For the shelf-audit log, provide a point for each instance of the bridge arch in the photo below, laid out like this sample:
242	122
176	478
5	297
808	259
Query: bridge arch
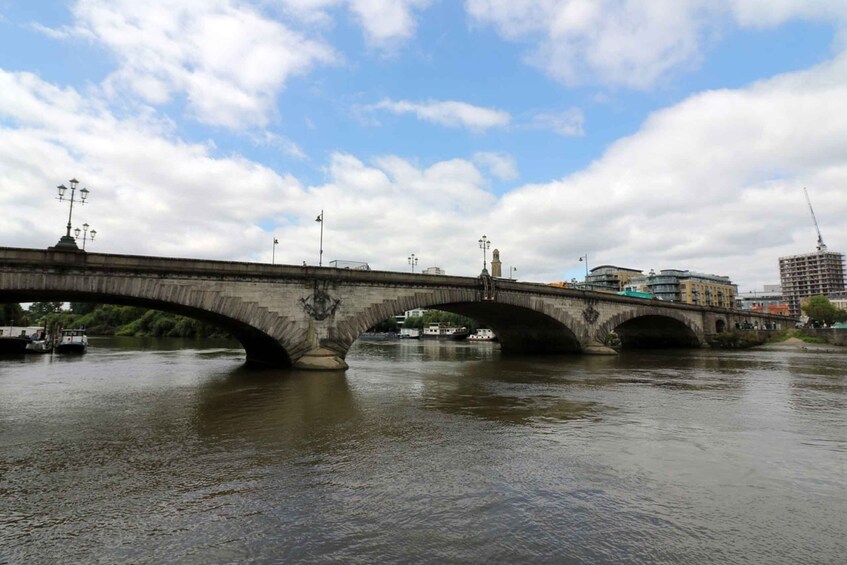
645	328
523	324
249	325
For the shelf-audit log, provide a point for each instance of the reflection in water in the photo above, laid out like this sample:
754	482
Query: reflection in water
426	452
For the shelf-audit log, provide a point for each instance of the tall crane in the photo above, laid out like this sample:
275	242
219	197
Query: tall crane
821	244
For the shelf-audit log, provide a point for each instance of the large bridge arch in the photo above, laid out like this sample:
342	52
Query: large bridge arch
647	327
524	324
252	326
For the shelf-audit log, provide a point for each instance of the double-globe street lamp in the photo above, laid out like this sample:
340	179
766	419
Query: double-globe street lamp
413	261
484	244
67	242
86	235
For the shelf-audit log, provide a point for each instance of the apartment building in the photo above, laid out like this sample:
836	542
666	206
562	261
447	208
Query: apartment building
611	278
687	286
810	274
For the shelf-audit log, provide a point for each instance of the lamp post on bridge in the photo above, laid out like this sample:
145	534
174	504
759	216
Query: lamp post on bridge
320	219
512	271
581	259
413	261
67	242
85	234
484	244
273	252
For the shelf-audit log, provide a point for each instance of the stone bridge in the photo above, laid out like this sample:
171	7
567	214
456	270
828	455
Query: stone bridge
308	317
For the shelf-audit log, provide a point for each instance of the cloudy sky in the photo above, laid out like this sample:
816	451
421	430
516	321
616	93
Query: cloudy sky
648	134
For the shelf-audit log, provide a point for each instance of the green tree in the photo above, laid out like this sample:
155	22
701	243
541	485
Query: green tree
388	325
12	313
83	307
41	309
820	309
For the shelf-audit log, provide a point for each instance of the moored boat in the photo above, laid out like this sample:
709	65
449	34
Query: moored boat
10	345
459	334
410	333
72	341
39	342
443	331
482	334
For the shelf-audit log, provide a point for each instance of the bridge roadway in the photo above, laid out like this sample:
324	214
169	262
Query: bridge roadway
308	317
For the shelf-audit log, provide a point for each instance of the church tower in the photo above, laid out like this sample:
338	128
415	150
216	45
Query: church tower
496	265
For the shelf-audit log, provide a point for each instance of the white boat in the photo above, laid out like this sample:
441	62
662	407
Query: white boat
410	333
39	342
72	341
443	331
482	334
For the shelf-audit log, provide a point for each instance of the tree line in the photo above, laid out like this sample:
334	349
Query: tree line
107	319
428	317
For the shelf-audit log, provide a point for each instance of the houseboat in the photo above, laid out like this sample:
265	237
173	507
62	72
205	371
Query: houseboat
72	341
15	339
443	331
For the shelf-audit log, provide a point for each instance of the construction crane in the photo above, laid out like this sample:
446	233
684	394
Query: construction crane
821	244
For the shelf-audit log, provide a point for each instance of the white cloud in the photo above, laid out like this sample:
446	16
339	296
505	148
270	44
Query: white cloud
713	183
155	194
149	193
569	123
227	59
448	113
387	21
632	43
499	165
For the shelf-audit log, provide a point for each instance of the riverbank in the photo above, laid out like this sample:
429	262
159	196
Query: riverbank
797	344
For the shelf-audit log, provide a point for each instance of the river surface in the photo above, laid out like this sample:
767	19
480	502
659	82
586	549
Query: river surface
147	451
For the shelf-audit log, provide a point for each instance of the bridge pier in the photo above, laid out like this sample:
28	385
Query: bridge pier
596	347
321	359
318	357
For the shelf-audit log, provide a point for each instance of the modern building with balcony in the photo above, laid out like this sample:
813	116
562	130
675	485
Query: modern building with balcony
689	287
611	278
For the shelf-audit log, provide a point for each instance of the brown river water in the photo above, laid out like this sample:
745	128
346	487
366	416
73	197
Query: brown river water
145	451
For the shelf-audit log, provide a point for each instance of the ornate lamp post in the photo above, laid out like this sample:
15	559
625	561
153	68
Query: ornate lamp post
413	261
67	242
484	244
85	234
320	219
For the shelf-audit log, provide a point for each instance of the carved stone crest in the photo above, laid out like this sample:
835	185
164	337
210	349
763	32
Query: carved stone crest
319	305
590	314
